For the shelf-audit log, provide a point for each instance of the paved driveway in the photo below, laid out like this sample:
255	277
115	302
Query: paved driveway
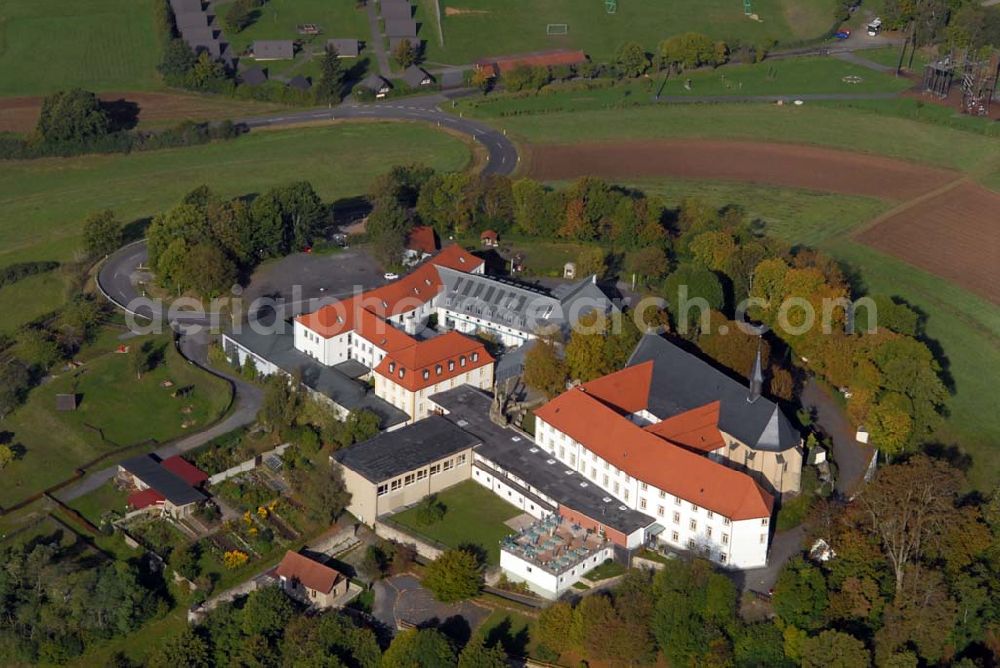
403	599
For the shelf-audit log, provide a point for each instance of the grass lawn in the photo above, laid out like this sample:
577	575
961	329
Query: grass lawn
96	503
56	443
473	514
510	629
278	19
30	298
45	201
849	129
608	569
889	55
99	45
477	28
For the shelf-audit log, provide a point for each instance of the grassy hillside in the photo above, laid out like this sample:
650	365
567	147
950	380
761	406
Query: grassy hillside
97	44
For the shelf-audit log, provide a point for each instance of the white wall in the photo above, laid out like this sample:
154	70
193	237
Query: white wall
544	583
687	526
498	486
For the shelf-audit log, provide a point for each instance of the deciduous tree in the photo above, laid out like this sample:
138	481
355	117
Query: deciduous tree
419	648
454	576
102	233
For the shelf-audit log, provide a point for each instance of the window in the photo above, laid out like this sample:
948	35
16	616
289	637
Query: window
677	518
722	557
725	539
448	464
694	508
710	514
708	532
725	521
435	469
763	522
642	504
461	361
660	511
605	480
677	500
396	484
763	538
693	525
408	480
451	365
625	495
690	543
421	474
427	374
382	489
392	367
643	486
663	494
475	357
438	369
461	459
674	536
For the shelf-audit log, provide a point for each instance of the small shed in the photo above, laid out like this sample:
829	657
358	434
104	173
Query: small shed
489	239
396	9
400	28
862	435
273	49
345	47
416	77
185	6
300	83
254	76
376	84
569	270
66	402
187	20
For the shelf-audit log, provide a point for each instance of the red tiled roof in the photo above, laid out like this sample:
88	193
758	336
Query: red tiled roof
440	357
696	429
488	234
145	498
422	239
188	472
626	390
653	460
310	574
402	296
538	58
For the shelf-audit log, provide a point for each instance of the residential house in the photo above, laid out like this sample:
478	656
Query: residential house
377	85
489	239
273	49
345	47
416	77
311	582
173	484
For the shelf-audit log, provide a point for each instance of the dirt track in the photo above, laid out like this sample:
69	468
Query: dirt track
787	165
19	114
954	233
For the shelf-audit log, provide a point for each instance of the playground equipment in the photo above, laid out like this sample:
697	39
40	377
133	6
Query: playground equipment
556	28
611	6
747	7
978	81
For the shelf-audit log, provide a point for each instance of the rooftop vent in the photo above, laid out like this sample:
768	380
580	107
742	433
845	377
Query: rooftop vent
463	423
583	484
550	461
606	499
622	508
533	450
568	471
515	438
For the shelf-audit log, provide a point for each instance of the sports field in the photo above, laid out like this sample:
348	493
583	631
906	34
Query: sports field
517	26
50	45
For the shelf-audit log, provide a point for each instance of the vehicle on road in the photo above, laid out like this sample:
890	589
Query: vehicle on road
842	34
875	27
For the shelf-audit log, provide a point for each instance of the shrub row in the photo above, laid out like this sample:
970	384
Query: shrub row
15	272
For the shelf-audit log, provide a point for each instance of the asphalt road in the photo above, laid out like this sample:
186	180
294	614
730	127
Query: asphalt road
501	153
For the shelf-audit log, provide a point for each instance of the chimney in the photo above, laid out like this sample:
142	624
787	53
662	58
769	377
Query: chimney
756	377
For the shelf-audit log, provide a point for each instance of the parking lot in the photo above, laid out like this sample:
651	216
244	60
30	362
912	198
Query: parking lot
302	280
402	600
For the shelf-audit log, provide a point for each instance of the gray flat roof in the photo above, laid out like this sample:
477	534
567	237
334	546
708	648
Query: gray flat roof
174	489
415	76
400	28
275	49
279	349
185	6
393	453
346	47
469	408
396	9
197	19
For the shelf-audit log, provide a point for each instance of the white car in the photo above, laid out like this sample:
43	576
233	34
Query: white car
390	276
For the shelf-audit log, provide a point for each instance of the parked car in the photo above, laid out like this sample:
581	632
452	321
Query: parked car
390	276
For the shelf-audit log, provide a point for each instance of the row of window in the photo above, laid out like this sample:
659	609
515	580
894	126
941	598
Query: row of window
421	474
438	369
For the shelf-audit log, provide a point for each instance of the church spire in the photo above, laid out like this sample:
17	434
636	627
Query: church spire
756	377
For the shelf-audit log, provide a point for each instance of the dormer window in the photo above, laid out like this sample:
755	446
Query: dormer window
427	374
437	369
462	260
427	281
385	304
451	365
475	357
392	367
402	372
461	360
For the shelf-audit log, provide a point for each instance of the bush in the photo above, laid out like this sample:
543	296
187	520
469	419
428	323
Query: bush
13	273
430	511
